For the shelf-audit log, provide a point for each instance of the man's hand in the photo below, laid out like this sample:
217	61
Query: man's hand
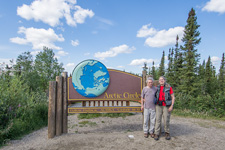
142	108
170	108
143	100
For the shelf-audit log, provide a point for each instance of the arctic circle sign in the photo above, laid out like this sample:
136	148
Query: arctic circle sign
90	78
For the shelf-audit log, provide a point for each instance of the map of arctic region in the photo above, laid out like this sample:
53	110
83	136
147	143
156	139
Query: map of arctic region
90	78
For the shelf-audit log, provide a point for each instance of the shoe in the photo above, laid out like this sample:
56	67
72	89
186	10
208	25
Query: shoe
156	137
167	136
146	135
152	135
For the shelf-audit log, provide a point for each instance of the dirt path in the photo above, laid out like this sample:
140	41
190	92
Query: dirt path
113	134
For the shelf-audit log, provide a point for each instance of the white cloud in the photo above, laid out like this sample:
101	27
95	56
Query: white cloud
160	38
112	52
145	31
4	61
106	21
81	14
38	38
34	53
166	57
75	43
215	60
138	62
51	11
120	67
70	65
62	53
215	6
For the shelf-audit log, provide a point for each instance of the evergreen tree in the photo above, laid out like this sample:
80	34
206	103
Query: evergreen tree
153	72
161	66
222	74
191	57
170	69
209	76
201	78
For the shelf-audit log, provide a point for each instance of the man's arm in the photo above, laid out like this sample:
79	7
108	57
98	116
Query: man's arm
142	103
173	100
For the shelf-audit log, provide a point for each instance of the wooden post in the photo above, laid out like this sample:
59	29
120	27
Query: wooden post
59	106
65	104
52	109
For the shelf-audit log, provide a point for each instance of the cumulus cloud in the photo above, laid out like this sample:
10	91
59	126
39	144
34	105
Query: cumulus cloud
51	11
75	43
112	52
160	38
215	6
146	31
70	65
138	62
38	38
62	53
215	60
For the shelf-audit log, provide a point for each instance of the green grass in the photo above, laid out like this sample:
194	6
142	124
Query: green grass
194	114
85	123
112	115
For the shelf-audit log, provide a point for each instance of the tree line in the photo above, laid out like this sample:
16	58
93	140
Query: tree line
23	93
196	85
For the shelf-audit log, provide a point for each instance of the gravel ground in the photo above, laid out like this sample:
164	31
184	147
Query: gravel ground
126	133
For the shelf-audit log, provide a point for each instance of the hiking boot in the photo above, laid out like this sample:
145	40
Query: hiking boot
146	135
156	137
167	136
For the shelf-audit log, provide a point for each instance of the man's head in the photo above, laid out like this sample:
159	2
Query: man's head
150	81
162	80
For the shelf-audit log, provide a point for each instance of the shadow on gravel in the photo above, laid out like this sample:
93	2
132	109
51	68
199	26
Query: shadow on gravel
181	129
116	128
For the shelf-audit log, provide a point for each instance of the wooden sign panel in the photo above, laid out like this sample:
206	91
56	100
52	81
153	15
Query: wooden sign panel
122	86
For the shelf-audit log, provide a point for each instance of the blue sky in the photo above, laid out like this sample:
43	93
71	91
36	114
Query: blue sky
122	34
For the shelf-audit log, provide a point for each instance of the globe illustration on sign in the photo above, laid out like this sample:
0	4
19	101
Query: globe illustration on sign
90	78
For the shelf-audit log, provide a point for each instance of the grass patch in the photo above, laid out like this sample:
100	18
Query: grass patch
194	114
85	123
112	115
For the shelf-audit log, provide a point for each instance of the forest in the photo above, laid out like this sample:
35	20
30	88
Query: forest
24	85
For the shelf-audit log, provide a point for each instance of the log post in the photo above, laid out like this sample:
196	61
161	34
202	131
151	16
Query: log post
65	103
52	109
59	106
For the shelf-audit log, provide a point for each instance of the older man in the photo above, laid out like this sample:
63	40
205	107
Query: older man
164	105
147	103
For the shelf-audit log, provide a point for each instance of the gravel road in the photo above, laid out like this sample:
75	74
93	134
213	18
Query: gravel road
126	134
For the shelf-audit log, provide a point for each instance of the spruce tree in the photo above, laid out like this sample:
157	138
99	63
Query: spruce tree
153	71
201	78
208	76
170	70
222	75
161	66
191	57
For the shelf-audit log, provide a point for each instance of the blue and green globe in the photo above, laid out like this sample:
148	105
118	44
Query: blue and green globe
90	78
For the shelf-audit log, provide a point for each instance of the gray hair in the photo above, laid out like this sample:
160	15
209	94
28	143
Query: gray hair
149	78
162	77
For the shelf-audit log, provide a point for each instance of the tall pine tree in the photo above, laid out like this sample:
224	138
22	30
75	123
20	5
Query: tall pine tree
161	66
191	57
153	72
222	74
